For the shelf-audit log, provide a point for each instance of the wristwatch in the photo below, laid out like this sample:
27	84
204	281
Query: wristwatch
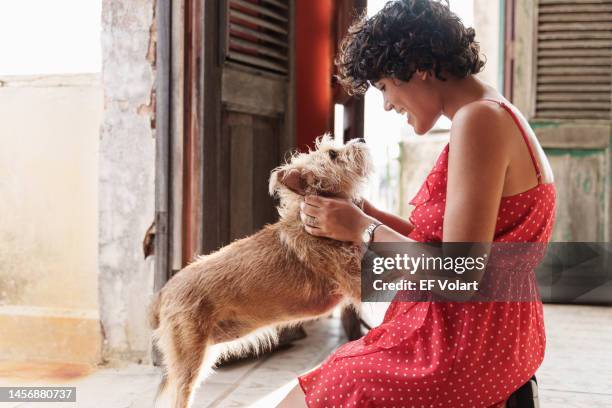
368	233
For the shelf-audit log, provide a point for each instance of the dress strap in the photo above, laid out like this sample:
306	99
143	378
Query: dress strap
523	133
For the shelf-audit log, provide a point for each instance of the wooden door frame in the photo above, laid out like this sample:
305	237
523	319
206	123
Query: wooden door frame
178	121
214	182
163	12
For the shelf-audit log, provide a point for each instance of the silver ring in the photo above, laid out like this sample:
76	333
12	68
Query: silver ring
311	221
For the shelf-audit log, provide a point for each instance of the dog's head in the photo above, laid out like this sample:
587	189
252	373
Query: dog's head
329	170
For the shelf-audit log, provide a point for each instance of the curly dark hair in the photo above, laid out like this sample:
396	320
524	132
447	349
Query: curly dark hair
404	36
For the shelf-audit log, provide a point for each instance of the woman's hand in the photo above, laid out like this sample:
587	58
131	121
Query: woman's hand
334	218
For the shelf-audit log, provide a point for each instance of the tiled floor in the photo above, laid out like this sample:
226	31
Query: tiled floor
577	372
577	368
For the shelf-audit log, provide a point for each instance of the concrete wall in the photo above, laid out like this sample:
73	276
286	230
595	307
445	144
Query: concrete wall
77	163
49	128
126	176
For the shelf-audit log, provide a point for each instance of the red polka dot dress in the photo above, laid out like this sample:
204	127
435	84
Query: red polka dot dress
446	354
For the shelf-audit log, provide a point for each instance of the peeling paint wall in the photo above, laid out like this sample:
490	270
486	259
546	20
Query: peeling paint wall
126	182
582	187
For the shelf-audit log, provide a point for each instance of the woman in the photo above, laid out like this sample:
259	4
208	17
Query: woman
491	183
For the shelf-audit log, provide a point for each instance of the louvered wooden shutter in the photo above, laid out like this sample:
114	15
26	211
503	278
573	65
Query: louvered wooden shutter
257	34
574	59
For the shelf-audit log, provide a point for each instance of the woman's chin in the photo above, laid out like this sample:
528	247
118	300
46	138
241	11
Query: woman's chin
418	130
416	127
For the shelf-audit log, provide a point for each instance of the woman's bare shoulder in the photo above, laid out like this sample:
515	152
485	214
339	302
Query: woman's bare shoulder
484	127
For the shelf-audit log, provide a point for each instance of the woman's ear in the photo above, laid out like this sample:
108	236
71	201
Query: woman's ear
422	74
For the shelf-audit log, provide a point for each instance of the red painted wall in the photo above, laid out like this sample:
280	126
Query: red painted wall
313	68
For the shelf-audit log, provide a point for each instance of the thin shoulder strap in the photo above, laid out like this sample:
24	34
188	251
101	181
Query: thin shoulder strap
523	133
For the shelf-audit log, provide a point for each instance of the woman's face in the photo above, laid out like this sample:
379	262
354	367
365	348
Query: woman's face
417	99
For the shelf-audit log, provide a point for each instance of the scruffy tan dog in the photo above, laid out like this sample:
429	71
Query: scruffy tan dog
235	299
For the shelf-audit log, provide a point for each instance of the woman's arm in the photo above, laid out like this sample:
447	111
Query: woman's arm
392	221
341	219
477	164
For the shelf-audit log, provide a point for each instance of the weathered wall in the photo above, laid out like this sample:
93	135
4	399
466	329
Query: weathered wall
582	180
487	26
418	156
126	182
48	241
579	150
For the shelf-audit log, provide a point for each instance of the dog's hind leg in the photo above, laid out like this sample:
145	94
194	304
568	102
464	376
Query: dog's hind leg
162	397
184	350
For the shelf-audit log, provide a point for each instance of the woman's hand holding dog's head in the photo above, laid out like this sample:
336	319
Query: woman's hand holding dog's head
335	218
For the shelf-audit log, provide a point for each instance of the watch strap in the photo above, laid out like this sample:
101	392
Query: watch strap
370	230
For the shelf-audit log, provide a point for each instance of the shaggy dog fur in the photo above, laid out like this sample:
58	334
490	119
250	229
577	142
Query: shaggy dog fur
235	299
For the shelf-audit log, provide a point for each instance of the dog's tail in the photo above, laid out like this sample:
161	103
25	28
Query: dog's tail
154	310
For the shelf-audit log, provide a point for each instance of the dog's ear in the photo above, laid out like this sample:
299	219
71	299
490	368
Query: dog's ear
273	185
287	178
293	179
